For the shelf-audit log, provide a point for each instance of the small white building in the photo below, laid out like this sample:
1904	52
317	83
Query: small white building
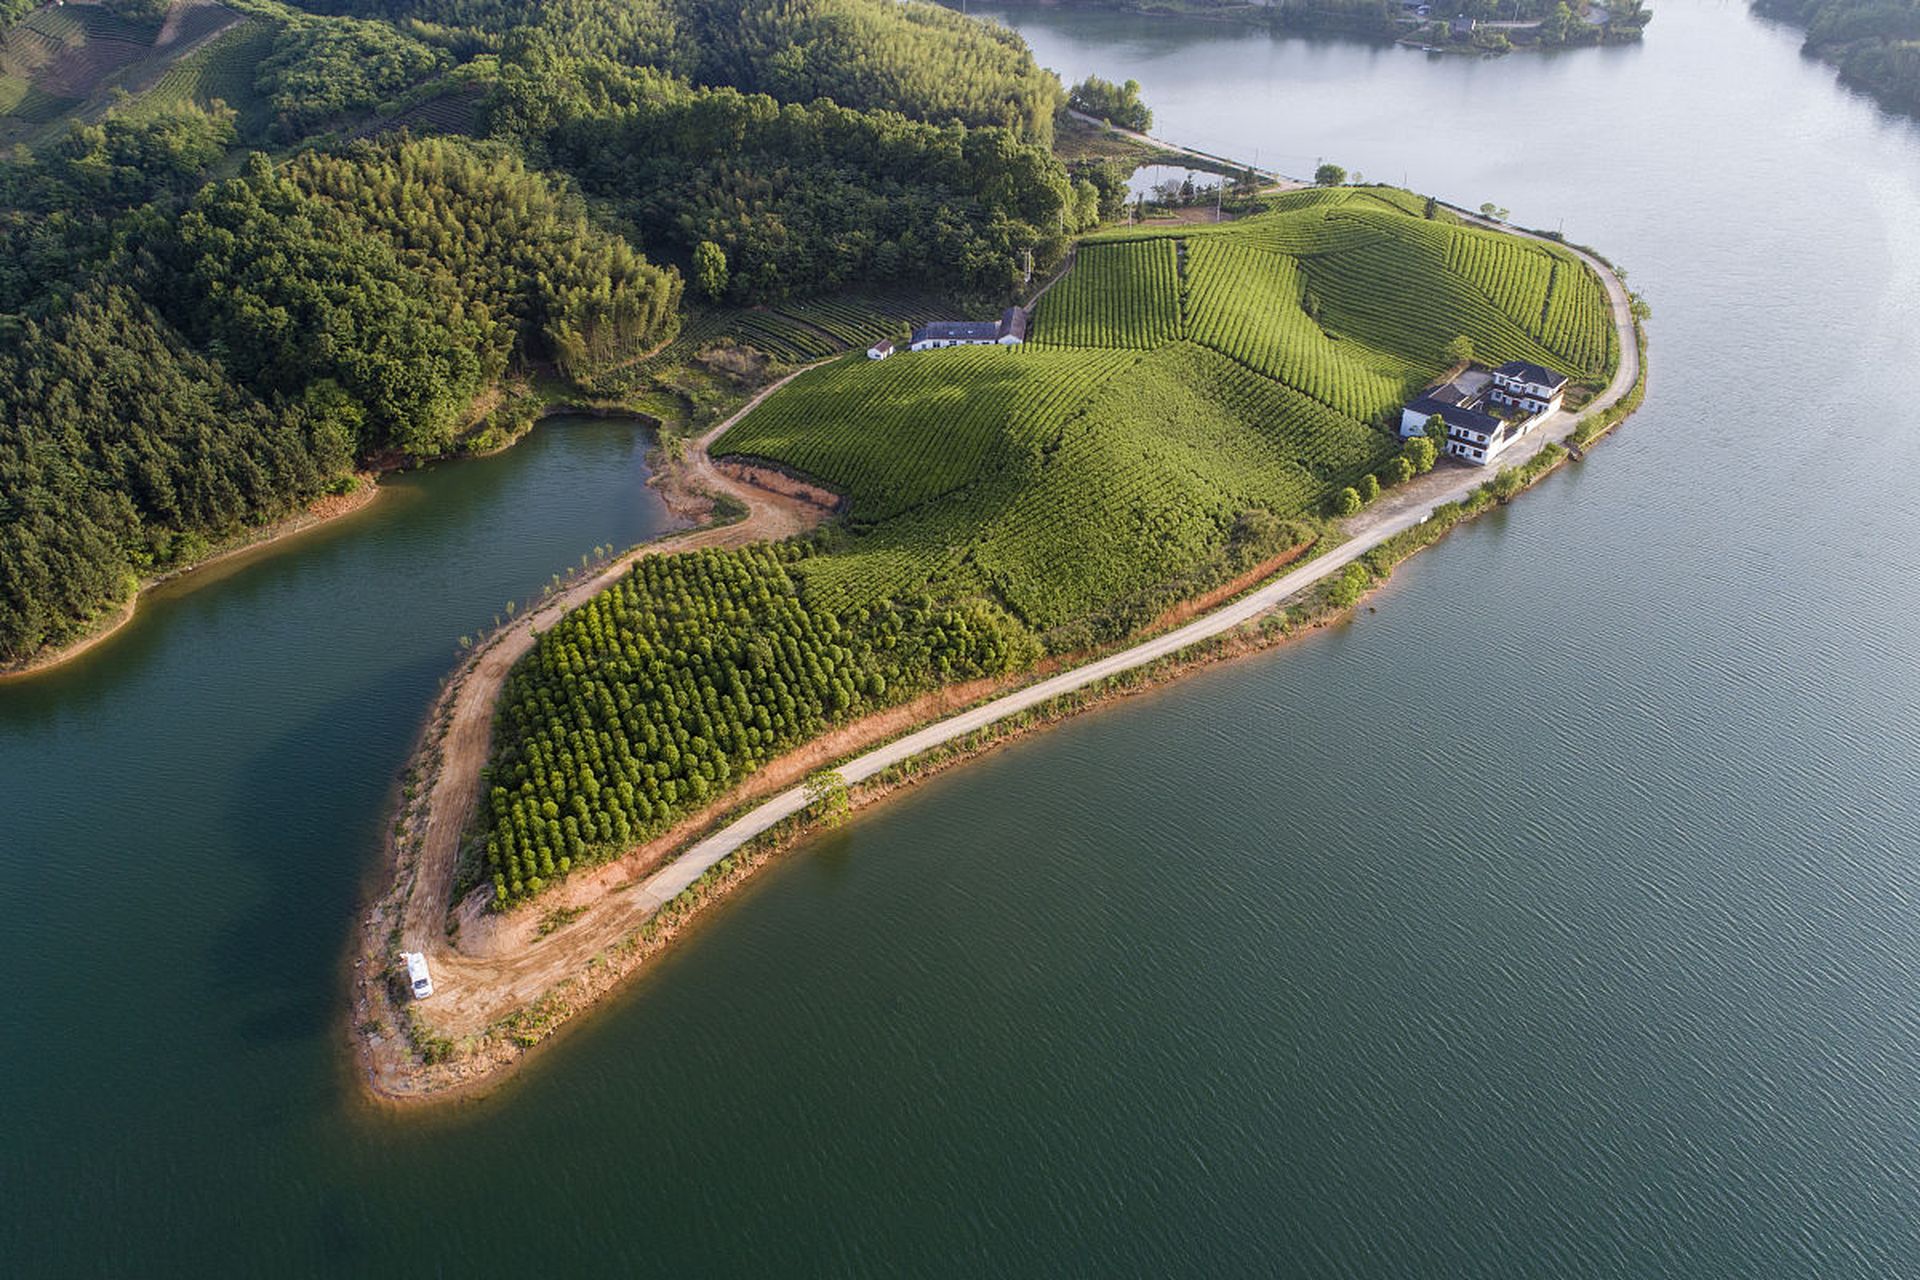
1529	388
1009	331
881	349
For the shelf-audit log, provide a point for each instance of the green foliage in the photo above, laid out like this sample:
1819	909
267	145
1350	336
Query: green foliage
323	70
276	279
896	434
710	269
649	701
1345	590
1063	481
1249	304
1329	175
828	803
221	73
801	199
1421	452
1369	487
526	256
1117	295
119	448
1346	502
1117	104
921	60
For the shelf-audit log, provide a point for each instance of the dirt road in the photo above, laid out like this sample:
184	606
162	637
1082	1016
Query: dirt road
467	738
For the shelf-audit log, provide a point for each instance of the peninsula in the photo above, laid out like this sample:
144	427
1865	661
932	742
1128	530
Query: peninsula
1193	441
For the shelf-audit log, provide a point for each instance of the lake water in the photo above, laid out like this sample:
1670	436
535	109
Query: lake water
1560	918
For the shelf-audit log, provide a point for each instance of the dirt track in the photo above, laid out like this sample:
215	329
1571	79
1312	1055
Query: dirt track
483	988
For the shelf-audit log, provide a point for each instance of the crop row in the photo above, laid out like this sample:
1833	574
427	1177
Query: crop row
1578	320
1511	272
1246	303
655	697
896	433
1116	295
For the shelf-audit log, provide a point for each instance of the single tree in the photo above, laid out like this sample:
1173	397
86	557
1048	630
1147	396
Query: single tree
1347	502
1420	452
1369	488
710	269
828	803
1329	175
1459	351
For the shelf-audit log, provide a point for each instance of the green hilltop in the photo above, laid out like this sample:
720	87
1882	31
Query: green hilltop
1187	404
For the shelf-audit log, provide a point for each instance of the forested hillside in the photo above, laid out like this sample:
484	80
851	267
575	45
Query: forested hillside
1874	43
230	275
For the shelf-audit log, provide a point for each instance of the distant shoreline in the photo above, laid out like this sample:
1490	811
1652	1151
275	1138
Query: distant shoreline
321	511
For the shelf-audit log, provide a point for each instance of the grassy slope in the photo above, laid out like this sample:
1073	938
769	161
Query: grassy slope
1154	404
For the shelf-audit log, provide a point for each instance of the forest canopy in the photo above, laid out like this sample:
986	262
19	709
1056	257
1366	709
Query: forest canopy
202	339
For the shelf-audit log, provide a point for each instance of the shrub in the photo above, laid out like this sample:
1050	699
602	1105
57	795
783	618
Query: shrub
1347	501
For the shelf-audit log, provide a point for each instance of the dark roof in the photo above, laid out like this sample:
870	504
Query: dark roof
885	344
1526	372
1014	321
1462	24
1466	419
958	331
1449	393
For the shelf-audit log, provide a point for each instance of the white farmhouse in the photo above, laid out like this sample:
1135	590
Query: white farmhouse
1009	331
1473	435
881	349
1528	387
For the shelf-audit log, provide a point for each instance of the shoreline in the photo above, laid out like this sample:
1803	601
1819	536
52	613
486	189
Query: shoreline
308	518
512	993
305	520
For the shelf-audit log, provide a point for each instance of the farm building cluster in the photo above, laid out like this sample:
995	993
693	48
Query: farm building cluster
1010	330
1486	411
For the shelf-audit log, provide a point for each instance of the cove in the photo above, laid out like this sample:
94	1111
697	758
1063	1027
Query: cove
1558	918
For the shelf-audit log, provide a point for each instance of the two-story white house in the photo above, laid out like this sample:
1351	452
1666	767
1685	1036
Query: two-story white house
1529	388
1009	331
1473	435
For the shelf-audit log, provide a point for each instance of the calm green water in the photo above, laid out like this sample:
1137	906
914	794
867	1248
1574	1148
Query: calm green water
1557	919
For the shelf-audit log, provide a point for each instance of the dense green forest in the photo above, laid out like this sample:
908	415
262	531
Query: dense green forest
224	294
1874	43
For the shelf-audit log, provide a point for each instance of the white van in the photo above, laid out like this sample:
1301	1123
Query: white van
417	974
